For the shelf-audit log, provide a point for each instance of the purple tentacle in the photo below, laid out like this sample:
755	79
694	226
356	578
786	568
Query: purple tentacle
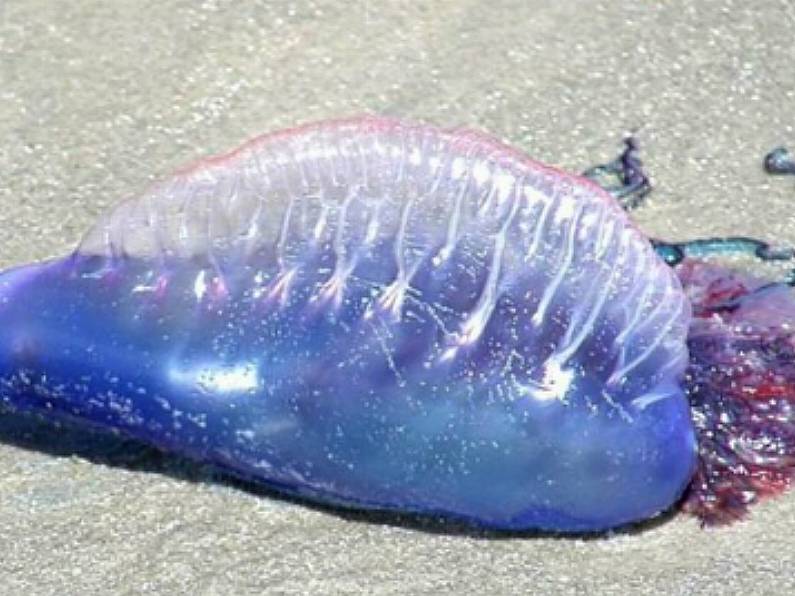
741	384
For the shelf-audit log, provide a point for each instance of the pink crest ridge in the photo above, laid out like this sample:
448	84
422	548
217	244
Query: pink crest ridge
502	152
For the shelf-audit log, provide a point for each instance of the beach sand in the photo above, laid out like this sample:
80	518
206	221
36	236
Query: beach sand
99	98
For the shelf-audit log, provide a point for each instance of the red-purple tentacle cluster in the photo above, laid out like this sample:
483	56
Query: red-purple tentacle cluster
741	384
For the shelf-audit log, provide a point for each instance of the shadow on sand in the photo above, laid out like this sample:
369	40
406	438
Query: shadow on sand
62	439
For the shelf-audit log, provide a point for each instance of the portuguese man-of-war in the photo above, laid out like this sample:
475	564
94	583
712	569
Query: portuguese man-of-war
385	315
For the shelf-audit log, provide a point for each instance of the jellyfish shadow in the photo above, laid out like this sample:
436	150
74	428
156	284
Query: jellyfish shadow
32	432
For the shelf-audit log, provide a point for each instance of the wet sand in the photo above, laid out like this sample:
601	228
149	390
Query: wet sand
99	98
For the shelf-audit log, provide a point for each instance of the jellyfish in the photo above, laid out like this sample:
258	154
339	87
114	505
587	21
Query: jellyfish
384	315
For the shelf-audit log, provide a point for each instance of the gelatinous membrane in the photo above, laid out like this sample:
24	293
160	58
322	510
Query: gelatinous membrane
378	314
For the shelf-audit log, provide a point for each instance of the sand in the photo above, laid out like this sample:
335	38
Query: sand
99	98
